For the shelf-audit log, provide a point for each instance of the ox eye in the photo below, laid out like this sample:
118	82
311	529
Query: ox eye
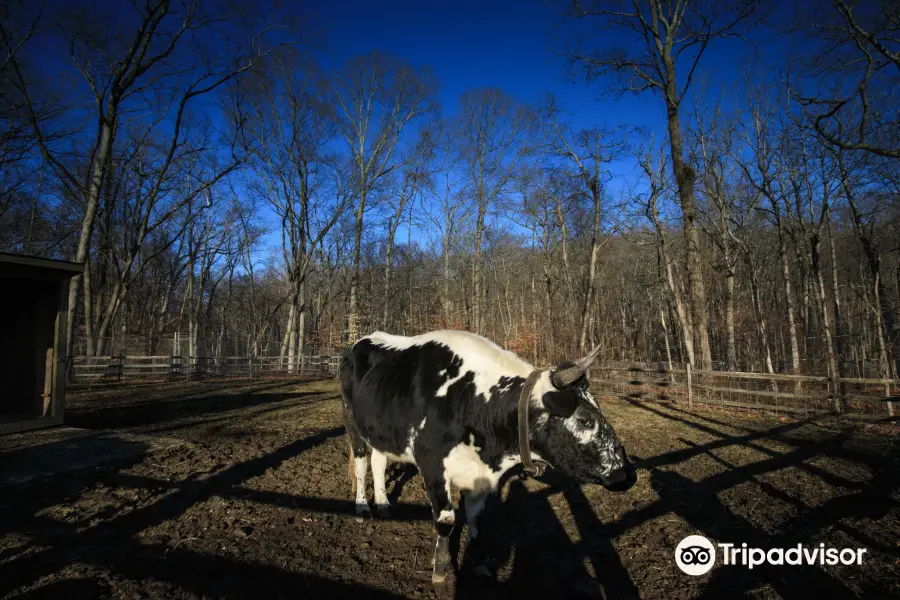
586	422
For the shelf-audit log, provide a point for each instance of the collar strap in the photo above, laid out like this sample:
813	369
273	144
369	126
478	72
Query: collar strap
531	469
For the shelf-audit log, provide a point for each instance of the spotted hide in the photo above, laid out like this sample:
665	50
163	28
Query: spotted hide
447	401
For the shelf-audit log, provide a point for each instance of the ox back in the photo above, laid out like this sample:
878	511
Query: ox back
418	403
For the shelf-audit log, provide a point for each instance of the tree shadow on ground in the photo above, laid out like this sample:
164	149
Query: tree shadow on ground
112	544
699	503
153	413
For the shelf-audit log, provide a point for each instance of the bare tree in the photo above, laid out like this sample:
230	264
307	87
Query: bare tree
660	36
711	155
857	62
156	62
658	186
293	171
376	98
412	180
589	151
489	128
761	171
444	187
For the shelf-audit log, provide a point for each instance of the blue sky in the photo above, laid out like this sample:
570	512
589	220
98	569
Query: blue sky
504	44
470	44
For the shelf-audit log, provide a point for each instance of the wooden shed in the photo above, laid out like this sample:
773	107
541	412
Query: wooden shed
33	313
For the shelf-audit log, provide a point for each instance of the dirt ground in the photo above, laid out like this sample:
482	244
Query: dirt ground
239	489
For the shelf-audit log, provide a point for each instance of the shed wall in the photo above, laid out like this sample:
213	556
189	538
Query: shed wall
30	308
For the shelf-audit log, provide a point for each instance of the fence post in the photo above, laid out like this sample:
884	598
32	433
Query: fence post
250	366
890	405
837	405
690	392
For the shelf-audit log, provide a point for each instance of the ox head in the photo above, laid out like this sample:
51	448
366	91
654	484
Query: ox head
574	436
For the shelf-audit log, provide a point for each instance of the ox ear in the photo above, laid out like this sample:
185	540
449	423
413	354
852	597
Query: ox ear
560	404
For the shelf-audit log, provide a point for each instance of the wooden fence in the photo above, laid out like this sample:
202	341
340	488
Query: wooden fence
800	395
88	368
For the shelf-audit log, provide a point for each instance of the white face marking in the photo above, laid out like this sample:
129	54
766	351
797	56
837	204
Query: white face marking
422	424
609	453
485	359
447	517
589	398
582	434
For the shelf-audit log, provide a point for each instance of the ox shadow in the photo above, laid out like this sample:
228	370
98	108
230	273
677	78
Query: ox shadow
398	476
529	554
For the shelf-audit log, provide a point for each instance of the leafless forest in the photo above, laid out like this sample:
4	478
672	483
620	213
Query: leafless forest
222	181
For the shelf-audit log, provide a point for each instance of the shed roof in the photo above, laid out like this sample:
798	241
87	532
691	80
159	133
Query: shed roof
21	265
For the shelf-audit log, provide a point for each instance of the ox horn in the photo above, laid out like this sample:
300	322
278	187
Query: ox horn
566	377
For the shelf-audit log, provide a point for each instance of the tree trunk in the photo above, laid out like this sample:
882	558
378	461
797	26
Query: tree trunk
286	340
388	265
729	320
99	167
445	290
665	330
299	337
762	329
592	268
684	179
534	311
88	306
476	323
564	248
667	276
822	309
788	295
873	259
353	313
838	320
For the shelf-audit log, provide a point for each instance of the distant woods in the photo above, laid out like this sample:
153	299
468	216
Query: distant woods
219	182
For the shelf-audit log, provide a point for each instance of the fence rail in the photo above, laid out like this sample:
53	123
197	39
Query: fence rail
88	368
770	392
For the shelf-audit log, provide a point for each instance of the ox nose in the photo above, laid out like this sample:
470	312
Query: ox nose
621	479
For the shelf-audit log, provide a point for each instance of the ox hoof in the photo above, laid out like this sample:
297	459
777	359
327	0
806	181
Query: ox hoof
362	511
438	577
383	510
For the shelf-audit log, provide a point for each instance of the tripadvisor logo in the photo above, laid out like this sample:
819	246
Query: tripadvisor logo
696	555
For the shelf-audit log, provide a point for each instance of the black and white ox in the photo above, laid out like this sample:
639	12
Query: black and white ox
448	402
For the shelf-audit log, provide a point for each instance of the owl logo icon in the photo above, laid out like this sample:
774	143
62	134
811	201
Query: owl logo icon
695	555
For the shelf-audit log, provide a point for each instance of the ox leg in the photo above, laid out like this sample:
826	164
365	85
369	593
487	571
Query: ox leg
474	506
444	519
379	466
360	467
474	502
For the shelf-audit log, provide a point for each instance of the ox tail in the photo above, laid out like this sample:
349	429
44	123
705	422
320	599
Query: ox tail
346	376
